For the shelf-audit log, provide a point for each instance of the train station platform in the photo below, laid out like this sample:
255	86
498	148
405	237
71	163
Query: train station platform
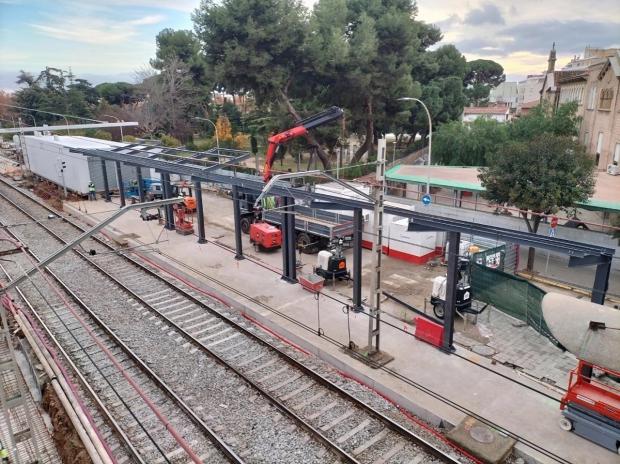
438	387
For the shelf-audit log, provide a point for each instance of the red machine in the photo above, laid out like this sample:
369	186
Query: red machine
265	236
591	407
181	224
300	129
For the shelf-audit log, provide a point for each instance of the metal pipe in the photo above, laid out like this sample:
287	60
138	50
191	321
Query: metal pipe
57	254
430	139
117	120
94	447
217	140
200	216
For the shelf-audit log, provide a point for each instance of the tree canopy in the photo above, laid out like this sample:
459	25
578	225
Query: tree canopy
472	144
539	176
55	91
481	77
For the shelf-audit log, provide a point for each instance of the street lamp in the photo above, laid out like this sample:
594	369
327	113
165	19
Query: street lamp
430	139
33	119
217	141
117	120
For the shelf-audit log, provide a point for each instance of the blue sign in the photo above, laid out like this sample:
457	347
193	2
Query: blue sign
426	199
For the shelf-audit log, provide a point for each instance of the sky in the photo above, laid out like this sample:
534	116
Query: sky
108	40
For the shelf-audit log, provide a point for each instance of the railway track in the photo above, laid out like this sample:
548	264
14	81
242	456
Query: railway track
265	402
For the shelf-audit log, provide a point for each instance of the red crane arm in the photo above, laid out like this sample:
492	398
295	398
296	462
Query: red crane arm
274	141
299	130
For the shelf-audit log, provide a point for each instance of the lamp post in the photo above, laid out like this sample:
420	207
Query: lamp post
33	119
117	120
430	139
217	141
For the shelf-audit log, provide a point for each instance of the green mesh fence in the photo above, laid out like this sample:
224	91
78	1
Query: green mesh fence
510	294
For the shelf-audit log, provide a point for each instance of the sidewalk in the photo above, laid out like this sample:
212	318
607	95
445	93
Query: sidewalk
514	407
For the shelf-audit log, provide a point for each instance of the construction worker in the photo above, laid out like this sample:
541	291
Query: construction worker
4	454
91	191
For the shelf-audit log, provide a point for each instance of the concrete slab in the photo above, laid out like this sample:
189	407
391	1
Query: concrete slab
421	378
482	441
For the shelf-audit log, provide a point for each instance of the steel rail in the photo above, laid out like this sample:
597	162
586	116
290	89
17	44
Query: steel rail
215	439
390	423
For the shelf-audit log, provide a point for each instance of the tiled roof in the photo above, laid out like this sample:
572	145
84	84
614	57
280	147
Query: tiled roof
562	77
485	109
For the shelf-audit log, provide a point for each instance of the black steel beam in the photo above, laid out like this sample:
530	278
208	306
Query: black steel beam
140	186
106	184
454	240
289	272
168	210
588	260
237	215
200	214
289	217
358	224
121	188
601	282
430	222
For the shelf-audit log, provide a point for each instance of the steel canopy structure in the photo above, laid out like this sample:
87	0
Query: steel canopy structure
208	167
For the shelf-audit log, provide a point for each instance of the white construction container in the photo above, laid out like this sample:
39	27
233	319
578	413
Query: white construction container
45	155
398	242
415	247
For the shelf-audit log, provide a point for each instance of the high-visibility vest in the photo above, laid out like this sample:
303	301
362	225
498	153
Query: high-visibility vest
91	187
4	453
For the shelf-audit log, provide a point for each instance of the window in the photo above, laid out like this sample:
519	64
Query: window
599	143
586	140
617	154
592	98
606	97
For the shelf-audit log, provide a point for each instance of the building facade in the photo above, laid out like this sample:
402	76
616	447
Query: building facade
600	125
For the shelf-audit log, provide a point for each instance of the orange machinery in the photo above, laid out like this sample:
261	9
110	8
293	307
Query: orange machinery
265	236
182	225
591	408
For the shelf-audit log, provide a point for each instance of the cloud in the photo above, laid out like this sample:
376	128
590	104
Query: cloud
93	31
150	19
178	5
570	37
487	14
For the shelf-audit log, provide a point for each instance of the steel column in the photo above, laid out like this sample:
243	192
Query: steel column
289	271
168	210
601	281
454	240
106	184
237	214
291	242
200	215
358	224
140	186
121	188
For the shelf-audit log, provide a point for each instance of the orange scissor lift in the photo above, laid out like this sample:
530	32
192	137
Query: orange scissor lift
591	408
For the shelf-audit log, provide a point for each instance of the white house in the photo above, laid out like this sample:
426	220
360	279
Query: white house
500	113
